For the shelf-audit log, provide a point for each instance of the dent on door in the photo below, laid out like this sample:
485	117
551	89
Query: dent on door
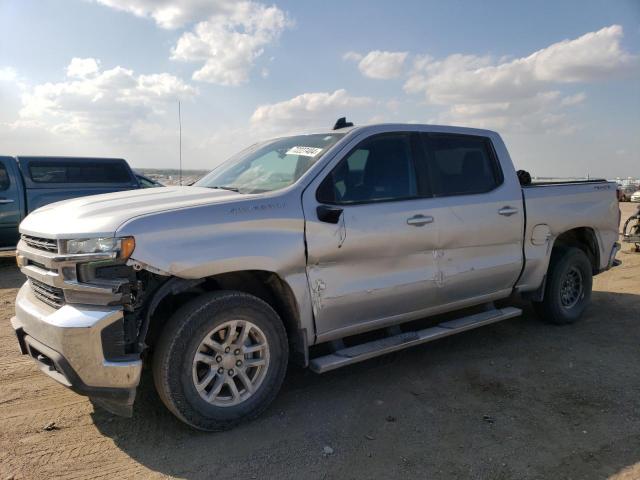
314	271
372	266
481	251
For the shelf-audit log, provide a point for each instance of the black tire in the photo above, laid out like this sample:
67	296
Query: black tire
565	262
181	337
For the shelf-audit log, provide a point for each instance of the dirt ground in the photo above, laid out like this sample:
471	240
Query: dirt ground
515	400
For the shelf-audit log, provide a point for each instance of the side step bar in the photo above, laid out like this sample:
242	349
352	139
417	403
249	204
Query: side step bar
365	351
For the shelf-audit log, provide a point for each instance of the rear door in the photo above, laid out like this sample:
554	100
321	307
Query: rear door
370	237
480	218
10	202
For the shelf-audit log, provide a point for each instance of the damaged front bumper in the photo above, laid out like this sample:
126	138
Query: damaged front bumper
74	346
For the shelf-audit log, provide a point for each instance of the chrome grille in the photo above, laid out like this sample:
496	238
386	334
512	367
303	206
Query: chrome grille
41	243
52	296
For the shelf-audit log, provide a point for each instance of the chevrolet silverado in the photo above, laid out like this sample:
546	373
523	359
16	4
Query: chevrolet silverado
323	250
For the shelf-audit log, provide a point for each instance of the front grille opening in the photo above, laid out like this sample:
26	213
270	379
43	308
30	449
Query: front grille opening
52	296
40	243
40	265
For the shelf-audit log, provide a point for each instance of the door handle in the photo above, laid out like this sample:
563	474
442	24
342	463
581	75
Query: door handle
4	201
419	220
507	211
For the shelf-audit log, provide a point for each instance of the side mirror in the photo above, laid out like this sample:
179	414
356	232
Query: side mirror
328	214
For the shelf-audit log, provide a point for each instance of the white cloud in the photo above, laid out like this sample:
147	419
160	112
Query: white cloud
590	57
171	13
519	94
378	64
8	74
536	113
92	102
228	38
12	80
82	67
11	88
573	99
230	43
308	110
352	56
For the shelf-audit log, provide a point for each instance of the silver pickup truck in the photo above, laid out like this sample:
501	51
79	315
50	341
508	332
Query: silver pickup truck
323	250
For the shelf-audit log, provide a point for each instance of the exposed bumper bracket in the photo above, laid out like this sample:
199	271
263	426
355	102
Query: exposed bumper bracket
115	400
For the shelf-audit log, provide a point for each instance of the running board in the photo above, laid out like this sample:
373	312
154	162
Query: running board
365	351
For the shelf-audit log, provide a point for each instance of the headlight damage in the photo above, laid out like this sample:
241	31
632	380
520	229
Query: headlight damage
89	272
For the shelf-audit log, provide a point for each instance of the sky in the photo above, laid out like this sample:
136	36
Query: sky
560	81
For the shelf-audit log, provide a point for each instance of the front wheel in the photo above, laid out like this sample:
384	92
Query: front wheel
568	287
221	360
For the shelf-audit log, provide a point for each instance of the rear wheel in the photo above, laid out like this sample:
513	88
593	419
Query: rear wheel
568	287
221	360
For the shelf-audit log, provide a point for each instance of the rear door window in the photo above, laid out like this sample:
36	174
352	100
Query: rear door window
4	177
78	172
461	164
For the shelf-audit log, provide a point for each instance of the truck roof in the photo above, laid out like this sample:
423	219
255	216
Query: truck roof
70	159
412	127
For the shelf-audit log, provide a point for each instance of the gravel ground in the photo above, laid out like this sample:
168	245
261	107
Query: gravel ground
515	400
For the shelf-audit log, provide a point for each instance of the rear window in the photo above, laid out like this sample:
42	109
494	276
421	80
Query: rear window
462	164
4	177
85	172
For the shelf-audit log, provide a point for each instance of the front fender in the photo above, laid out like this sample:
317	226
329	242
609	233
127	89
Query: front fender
261	233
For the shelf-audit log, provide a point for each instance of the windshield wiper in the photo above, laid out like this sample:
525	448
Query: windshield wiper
224	187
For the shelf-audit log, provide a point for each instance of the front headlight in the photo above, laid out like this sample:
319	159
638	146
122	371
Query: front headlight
123	246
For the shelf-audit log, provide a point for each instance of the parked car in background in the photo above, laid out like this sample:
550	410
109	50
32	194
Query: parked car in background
146	182
28	183
625	192
320	249
636	196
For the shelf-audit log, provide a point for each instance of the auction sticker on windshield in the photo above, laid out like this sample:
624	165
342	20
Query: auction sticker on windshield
304	151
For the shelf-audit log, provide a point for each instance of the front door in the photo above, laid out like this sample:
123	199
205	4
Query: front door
370	238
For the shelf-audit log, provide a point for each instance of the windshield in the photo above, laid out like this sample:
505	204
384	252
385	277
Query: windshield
270	165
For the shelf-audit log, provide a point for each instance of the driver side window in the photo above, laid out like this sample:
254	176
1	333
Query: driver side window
379	169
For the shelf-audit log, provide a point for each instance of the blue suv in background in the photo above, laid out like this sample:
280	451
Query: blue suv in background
28	183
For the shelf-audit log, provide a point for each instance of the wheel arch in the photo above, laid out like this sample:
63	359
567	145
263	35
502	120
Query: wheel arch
585	239
266	285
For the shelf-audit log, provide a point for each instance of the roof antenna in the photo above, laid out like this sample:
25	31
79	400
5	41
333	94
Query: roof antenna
342	123
180	139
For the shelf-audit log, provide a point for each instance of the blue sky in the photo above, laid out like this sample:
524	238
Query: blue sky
103	77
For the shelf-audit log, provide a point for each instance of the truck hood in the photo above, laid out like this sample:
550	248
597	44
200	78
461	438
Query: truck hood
101	215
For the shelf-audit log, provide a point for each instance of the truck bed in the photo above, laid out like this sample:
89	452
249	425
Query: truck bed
562	206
